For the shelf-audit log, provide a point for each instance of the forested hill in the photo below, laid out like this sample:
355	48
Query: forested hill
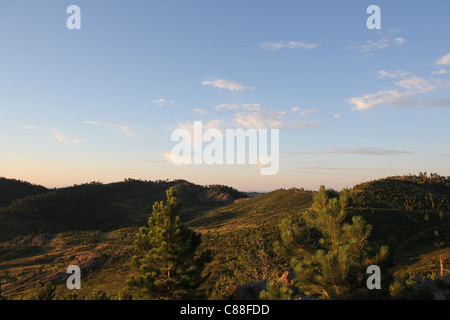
406	211
410	193
96	206
12	189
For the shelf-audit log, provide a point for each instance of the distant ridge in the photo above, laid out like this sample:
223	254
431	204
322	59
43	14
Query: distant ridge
28	208
12	189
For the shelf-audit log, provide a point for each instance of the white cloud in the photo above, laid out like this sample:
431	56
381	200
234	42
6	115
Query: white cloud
122	129
32	127
338	115
399	41
394	74
414	85
259	120
306	113
248	107
418	84
60	136
444	60
225	84
161	102
441	71
275	119
371	47
276	45
57	134
370	100
200	111
168	156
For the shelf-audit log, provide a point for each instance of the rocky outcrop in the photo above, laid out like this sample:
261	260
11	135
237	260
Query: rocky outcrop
249	291
439	291
287	277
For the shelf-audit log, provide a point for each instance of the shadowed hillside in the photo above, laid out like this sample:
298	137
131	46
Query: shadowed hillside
97	206
11	190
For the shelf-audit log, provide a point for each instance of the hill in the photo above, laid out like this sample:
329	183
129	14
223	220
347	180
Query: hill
412	215
225	225
93	225
12	189
266	209
104	207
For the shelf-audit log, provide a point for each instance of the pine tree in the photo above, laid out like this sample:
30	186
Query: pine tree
169	265
333	263
277	290
44	291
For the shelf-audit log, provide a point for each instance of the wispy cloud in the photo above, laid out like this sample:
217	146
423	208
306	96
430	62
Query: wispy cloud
56	134
162	102
225	84
412	85
167	156
440	71
277	45
272	119
259	120
307	113
372	47
32	127
125	130
248	107
394	74
200	111
252	116
399	41
444	60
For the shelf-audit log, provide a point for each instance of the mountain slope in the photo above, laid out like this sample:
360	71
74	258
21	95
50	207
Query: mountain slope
12	189
267	208
411	214
105	207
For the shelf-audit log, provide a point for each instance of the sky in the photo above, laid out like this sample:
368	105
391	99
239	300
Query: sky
100	103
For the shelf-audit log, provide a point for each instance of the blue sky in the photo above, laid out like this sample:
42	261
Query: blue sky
100	103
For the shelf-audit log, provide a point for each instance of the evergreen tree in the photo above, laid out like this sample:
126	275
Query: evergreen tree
334	263
98	294
251	260
170	265
277	290
44	291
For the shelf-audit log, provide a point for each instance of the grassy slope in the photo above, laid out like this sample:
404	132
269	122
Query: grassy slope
115	247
